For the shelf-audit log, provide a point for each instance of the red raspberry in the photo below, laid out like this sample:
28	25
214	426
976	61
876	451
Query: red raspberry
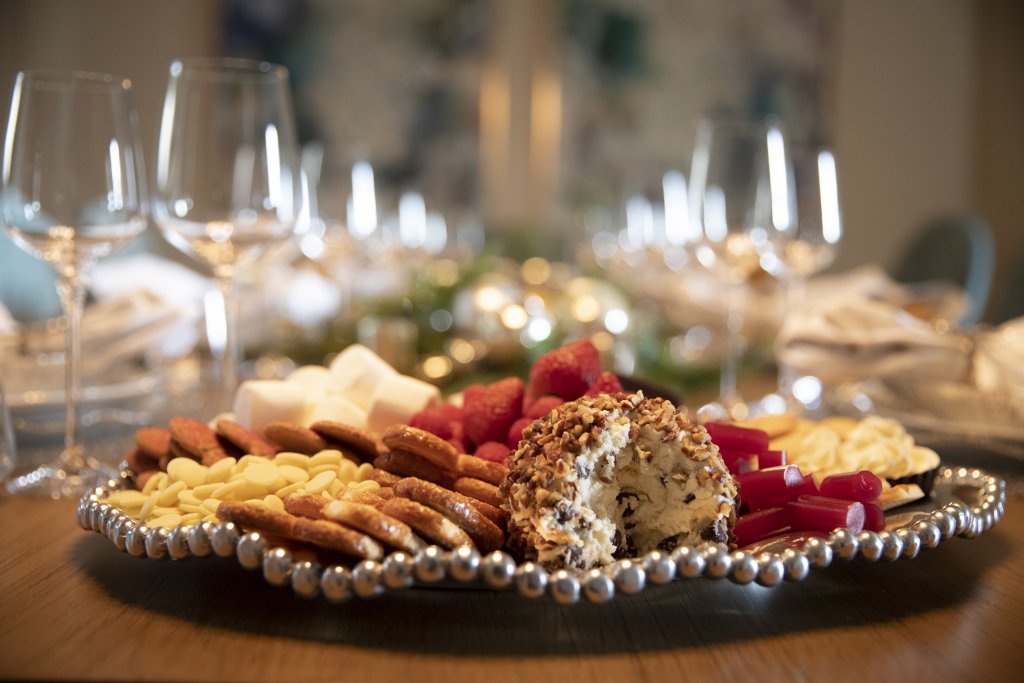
542	406
493	451
488	414
451	413
459	446
432	420
515	432
567	371
606	383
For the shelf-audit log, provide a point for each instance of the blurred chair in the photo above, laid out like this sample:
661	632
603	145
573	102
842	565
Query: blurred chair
958	248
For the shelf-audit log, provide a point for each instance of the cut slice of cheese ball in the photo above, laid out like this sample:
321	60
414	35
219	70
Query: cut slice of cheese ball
614	476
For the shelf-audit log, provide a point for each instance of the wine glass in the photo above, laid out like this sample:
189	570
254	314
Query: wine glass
807	246
228	176
73	192
738	193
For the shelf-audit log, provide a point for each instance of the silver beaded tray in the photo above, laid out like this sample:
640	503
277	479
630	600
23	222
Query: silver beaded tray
965	502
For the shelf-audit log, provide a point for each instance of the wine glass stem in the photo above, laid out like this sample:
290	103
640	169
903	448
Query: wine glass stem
71	289
728	383
795	293
231	355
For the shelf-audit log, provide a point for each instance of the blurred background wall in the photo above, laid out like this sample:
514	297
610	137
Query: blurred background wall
523	112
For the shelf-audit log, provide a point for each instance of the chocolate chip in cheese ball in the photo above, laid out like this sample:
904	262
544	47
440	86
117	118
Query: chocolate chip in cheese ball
615	476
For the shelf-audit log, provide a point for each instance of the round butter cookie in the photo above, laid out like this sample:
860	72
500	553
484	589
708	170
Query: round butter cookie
615	476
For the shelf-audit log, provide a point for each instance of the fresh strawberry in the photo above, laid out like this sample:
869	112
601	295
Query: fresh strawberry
488	414
606	383
515	432
451	413
567	371
542	406
459	446
493	451
432	420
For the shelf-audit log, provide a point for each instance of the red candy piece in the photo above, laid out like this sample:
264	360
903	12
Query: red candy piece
818	513
773	459
515	432
769	488
874	517
754	526
739	440
863	486
542	406
489	413
493	451
606	383
567	372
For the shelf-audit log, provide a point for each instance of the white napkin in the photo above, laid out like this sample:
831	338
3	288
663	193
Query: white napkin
852	337
999	360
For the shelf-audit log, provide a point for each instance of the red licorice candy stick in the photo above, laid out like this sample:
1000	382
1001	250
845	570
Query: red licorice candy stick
773	459
740	464
862	486
779	483
809	487
825	514
754	526
739	440
874	517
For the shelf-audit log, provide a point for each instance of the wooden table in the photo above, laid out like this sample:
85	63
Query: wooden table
73	607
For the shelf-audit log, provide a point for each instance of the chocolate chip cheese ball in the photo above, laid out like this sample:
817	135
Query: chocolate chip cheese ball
615	476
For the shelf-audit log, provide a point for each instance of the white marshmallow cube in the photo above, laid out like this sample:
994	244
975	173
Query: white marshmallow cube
260	402
313	378
335	409
397	398
356	373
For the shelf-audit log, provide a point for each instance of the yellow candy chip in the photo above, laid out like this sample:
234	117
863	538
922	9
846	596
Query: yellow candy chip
296	459
186	470
289	489
148	506
335	486
250	490
128	500
153	482
189	507
332	457
190	518
293	473
220	471
170	494
161	510
206	490
320	482
323	467
226	490
210	505
274	503
347	471
189	497
363	471
166	521
262	474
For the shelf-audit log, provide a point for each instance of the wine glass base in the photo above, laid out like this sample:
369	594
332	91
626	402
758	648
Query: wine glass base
719	411
54	481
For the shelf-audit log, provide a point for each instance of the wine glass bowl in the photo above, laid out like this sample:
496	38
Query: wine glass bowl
74	192
739	199
228	175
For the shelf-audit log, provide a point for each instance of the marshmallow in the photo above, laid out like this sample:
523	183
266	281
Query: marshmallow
356	372
313	378
336	409
397	398
260	402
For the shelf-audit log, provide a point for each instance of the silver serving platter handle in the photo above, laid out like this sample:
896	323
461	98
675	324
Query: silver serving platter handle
915	532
